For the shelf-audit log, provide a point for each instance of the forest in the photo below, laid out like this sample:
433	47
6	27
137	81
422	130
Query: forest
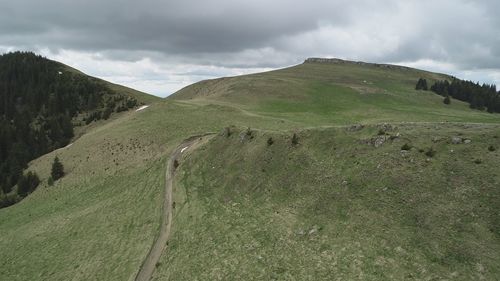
41	102
481	97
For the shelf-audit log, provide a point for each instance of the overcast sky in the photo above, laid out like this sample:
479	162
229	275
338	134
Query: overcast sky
161	46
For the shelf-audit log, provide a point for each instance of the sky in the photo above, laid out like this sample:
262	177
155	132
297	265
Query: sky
160	46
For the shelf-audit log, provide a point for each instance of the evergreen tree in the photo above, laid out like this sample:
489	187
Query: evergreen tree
481	97
421	85
39	100
27	184
57	169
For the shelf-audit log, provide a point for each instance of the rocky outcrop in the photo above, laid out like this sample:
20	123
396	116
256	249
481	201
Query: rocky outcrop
340	61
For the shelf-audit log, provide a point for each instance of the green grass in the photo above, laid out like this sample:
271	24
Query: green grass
314	94
240	207
336	208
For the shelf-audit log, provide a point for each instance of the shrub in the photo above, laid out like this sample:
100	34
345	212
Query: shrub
478	161
176	164
270	141
295	139
57	169
406	146
492	148
430	152
381	132
447	100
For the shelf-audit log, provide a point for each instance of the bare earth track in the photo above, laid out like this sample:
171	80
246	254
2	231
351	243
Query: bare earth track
149	264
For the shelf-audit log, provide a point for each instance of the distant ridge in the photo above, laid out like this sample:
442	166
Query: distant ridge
341	61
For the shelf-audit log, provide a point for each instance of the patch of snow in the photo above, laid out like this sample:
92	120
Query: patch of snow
182	150
59	72
142	107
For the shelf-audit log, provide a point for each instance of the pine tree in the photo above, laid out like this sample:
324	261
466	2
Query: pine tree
421	85
57	169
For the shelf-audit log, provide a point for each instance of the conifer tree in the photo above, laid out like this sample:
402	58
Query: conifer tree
57	169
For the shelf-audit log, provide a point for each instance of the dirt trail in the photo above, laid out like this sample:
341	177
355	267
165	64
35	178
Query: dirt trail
148	266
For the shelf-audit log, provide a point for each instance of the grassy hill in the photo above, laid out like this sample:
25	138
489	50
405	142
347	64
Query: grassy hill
338	92
344	203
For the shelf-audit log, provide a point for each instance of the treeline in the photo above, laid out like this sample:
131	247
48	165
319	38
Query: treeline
40	103
481	97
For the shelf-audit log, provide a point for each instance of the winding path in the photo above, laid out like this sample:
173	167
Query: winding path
149	264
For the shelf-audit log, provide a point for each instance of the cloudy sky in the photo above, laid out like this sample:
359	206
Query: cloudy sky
159	46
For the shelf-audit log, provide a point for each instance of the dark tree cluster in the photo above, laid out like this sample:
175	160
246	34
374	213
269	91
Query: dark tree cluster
422	85
40	103
481	97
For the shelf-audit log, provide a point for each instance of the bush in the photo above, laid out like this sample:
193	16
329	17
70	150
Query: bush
406	147
478	161
57	169
176	164
430	152
270	141
249	133
295	139
492	148
381	132
447	100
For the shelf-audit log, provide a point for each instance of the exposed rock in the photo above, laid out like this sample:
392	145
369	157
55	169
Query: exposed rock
436	139
379	140
314	230
467	141
386	127
243	137
456	140
226	132
355	127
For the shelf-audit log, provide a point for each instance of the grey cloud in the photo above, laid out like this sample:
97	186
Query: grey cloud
235	33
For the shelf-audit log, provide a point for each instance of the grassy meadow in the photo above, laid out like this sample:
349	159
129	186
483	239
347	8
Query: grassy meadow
333	207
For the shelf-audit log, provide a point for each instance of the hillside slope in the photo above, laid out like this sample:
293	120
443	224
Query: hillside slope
44	105
341	92
345	202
